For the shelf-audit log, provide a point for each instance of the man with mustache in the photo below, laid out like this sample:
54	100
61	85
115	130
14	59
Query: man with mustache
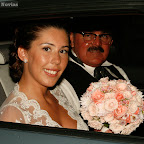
90	46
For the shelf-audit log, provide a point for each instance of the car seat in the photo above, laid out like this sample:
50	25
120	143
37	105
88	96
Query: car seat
6	83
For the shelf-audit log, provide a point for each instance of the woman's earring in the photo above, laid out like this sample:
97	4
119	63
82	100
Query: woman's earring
25	61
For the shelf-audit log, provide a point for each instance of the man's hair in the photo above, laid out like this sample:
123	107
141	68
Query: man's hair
89	24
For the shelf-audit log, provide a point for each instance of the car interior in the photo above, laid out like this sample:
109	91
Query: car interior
127	22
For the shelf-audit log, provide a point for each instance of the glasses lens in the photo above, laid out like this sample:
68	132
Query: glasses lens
106	38
88	37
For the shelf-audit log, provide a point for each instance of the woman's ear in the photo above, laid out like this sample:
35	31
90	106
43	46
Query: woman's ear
72	39
22	54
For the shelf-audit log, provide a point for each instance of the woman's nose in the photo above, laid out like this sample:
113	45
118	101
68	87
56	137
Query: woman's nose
55	58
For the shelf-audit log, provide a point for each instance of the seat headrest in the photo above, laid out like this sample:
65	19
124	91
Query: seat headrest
4	52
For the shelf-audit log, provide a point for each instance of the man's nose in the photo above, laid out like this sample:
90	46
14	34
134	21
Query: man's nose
55	58
97	41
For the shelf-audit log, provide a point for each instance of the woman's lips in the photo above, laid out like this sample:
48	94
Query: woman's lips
51	72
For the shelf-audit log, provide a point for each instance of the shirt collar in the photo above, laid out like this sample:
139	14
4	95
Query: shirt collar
88	68
106	63
73	53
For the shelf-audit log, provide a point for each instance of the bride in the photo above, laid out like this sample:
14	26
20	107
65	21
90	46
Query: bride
38	58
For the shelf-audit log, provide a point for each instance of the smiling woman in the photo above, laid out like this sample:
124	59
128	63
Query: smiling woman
38	58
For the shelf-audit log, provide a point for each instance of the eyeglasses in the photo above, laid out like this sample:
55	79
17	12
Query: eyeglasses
90	37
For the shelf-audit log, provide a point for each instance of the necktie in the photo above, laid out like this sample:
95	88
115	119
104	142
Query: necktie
107	71
98	73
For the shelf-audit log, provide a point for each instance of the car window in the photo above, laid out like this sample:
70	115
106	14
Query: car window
127	23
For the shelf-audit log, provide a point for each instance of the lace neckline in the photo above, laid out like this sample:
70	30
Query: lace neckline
58	94
17	93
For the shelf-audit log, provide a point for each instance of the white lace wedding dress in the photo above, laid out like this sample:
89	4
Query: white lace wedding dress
29	111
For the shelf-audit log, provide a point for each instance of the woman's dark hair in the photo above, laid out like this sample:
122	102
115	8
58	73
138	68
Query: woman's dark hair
24	35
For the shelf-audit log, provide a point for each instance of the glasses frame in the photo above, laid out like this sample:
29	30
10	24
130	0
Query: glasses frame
100	35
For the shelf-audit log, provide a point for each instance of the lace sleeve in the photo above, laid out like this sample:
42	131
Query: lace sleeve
11	114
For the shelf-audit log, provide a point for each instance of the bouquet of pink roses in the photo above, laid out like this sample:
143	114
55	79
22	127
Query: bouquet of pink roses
113	105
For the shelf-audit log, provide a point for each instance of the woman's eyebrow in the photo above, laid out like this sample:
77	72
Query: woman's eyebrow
67	46
47	44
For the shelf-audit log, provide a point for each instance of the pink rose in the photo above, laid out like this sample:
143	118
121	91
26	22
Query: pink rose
134	118
122	122
109	117
137	112
86	115
111	104
112	83
116	127
128	119
127	94
109	95
121	86
119	96
95	124
93	110
133	93
104	80
120	111
139	100
133	89
133	107
124	102
90	88
133	98
104	88
97	96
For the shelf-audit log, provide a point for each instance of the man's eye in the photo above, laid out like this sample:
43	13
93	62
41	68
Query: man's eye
105	36
46	49
87	35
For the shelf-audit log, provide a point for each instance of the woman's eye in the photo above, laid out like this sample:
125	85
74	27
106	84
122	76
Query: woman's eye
46	49
63	51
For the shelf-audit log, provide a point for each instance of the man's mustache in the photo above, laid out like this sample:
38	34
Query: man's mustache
90	49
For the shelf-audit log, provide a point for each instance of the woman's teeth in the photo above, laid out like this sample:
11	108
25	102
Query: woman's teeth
50	71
